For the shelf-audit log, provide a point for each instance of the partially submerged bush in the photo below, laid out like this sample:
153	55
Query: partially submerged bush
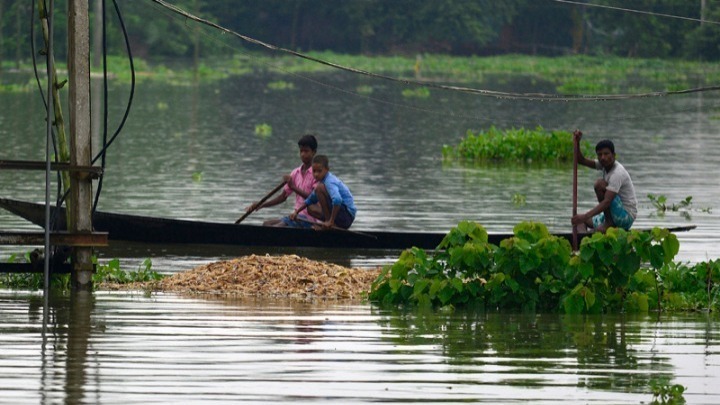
515	145
535	270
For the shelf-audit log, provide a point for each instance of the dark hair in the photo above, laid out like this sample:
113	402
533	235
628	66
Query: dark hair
309	141
605	143
323	160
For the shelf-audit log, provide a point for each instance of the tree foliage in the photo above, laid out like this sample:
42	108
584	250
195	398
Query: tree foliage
399	26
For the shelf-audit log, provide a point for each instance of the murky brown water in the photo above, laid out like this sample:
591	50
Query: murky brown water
120	348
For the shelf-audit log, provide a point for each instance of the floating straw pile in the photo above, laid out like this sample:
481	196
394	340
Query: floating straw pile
270	276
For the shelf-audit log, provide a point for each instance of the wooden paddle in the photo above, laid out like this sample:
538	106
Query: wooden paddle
337	228
270	194
576	145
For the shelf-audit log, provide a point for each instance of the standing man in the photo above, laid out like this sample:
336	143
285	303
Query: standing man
617	205
301	182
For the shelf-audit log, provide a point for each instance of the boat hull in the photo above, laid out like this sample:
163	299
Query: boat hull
136	228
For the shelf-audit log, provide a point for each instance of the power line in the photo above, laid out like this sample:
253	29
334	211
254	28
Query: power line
481	92
629	10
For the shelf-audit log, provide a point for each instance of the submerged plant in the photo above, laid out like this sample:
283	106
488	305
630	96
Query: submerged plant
683	207
111	272
666	393
619	270
263	130
518	199
281	85
364	89
418	92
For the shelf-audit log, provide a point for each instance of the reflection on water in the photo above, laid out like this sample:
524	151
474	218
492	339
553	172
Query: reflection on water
120	348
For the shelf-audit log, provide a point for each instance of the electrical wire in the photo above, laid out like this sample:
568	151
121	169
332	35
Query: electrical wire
480	92
106	143
630	10
278	66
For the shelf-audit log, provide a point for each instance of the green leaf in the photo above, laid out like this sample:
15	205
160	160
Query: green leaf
435	287
586	270
657	256
671	247
446	294
457	284
589	298
420	286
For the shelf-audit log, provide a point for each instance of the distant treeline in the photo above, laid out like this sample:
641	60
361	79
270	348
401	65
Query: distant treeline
478	27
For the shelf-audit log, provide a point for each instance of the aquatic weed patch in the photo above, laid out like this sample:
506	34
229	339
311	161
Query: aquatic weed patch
514	145
535	270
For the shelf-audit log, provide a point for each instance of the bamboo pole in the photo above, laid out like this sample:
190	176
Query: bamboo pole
59	121
576	146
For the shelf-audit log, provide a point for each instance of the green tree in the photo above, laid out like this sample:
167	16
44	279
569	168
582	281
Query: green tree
632	34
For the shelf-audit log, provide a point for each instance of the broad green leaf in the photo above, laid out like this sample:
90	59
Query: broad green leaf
586	270
671	247
589	298
420	286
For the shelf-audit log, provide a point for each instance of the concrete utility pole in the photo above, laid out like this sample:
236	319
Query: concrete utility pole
80	139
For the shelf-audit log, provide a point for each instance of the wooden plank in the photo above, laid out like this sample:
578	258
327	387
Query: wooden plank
93	171
56	238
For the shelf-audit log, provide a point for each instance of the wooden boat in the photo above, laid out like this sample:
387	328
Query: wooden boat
136	228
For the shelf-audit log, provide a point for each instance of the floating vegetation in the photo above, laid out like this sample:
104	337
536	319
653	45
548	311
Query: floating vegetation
620	270
263	130
666	393
516	145
518	199
684	207
364	89
272	276
281	85
197	176
418	92
109	274
162	106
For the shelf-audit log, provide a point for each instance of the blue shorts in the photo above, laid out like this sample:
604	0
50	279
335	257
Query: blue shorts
620	216
297	224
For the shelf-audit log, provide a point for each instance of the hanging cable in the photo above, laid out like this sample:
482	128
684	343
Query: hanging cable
103	155
629	10
444	113
480	92
49	111
107	143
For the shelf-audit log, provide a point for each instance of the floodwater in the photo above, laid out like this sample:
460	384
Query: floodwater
190	151
121	348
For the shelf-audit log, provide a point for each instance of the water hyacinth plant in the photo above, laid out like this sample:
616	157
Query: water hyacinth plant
263	130
515	145
620	270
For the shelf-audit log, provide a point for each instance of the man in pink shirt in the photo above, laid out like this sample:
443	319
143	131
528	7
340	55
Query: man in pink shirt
301	182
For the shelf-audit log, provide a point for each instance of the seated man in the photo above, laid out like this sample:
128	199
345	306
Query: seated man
333	196
617	205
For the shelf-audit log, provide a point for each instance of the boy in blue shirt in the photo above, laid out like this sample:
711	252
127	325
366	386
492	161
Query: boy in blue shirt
334	197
